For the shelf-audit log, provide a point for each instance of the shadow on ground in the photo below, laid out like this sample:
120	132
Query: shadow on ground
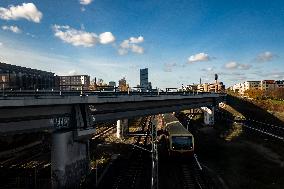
250	110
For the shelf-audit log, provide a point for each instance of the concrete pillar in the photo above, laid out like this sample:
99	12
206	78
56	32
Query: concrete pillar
208	115
121	127
69	160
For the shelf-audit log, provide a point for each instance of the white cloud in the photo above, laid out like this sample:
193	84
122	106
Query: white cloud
137	49
1	44
81	37
26	11
265	56
75	37
14	29
139	39
231	65
106	37
234	65
131	45
200	57
85	2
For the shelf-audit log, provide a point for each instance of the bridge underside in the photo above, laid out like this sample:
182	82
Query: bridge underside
35	118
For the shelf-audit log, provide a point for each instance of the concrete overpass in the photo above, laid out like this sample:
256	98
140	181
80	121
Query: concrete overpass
31	113
71	118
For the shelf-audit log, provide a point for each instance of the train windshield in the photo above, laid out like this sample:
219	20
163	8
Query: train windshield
182	143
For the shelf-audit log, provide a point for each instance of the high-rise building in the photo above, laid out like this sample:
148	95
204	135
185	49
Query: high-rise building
144	78
144	83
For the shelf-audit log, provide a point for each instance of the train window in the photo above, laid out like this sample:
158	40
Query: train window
182	143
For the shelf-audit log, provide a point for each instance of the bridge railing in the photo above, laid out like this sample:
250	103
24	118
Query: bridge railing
38	93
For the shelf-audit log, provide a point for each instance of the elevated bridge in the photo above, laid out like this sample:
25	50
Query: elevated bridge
23	112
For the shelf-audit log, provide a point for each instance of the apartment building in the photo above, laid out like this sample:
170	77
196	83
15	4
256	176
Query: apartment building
260	85
268	85
75	82
211	87
22	78
242	87
280	84
251	85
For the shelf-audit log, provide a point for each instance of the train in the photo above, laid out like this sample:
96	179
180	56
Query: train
181	141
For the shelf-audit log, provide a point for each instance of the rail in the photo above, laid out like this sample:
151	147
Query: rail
271	130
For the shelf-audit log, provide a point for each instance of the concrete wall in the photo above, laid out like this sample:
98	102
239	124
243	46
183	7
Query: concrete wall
69	160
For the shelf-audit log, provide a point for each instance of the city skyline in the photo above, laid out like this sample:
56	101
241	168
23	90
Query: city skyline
178	41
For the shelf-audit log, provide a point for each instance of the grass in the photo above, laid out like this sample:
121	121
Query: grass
277	102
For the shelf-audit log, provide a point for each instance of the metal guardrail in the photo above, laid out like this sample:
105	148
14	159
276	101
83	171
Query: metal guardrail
38	93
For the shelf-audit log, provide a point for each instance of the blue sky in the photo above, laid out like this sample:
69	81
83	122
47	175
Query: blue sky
179	41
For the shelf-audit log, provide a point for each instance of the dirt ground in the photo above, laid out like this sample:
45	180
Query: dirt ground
245	160
279	115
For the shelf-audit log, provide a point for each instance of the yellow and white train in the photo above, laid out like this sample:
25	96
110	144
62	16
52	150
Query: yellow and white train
181	141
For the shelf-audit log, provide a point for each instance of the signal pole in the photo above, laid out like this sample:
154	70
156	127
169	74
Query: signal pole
154	181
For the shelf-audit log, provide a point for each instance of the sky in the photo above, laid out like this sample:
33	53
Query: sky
180	41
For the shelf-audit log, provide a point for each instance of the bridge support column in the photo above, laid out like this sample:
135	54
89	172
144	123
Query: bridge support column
208	115
121	127
69	160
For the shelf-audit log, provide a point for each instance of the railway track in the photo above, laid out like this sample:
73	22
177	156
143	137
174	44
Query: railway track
274	131
188	177
131	172
104	131
25	157
193	177
26	170
132	176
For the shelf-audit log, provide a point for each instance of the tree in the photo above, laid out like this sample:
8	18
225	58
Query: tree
255	93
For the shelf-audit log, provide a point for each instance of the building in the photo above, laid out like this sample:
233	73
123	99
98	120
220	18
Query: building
74	82
191	88
122	85
22	78
107	87
112	84
279	84
268	85
250	85
237	88
144	83
247	85
265	85
220	87
211	87
203	87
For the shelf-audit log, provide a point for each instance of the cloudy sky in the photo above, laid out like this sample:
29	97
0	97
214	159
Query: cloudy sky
179	40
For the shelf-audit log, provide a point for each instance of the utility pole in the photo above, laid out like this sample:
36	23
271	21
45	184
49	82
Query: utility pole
216	86
154	183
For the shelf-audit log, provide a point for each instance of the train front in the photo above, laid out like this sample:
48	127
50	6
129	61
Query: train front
181	145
